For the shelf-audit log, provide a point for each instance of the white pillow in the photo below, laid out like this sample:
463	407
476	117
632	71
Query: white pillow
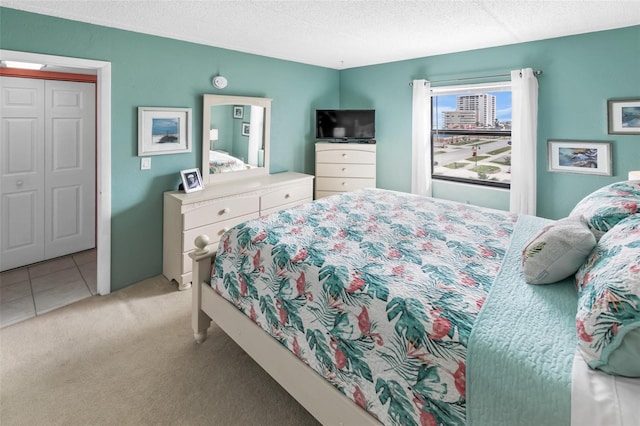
557	251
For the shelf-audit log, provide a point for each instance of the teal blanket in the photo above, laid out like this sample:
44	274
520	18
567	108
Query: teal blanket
521	349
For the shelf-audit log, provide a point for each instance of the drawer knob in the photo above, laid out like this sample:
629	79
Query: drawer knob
344	183
344	169
287	195
223	230
225	210
344	155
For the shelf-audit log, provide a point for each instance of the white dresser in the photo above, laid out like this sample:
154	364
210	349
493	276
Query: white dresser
217	208
343	167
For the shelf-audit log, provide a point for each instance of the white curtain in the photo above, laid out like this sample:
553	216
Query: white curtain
524	119
256	124
421	139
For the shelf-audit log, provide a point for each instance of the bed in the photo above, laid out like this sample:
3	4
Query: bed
383	307
220	162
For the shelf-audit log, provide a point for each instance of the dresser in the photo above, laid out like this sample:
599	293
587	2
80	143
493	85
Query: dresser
217	208
343	167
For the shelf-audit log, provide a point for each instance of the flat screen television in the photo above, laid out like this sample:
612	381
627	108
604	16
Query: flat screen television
344	124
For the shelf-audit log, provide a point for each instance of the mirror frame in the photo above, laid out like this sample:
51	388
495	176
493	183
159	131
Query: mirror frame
209	101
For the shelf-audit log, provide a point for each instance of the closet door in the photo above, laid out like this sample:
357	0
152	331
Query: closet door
22	174
69	167
47	169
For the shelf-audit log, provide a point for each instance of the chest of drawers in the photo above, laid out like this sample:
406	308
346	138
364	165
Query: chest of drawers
343	167
216	209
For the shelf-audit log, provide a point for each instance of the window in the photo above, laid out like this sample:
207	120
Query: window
471	133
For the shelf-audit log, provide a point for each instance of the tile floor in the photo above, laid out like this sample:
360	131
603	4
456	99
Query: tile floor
42	287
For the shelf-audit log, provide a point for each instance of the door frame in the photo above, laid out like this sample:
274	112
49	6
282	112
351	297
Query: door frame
103	150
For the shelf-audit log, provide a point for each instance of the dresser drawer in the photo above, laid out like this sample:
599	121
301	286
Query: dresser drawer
286	206
346	156
322	194
221	210
214	230
287	195
346	170
343	185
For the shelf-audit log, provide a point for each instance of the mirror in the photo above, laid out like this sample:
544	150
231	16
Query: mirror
235	137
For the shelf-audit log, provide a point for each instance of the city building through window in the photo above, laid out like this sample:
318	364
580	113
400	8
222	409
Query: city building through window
471	133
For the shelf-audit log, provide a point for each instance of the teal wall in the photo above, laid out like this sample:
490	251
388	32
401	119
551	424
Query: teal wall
580	73
159	72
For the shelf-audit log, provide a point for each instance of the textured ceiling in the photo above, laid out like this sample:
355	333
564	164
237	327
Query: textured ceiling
348	33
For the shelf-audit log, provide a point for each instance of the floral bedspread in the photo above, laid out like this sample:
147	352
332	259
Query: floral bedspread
375	290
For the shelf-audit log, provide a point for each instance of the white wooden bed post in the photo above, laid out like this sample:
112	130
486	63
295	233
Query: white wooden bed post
202	261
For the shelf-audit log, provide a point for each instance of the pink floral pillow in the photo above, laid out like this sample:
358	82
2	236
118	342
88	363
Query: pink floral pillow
608	317
609	205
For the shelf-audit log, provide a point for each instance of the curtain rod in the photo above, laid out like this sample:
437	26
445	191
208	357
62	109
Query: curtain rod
536	72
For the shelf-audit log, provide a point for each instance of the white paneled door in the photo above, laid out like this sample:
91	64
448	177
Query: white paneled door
22	171
47	169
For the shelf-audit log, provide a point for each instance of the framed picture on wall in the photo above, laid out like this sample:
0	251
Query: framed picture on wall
191	180
624	116
238	111
245	129
579	157
164	131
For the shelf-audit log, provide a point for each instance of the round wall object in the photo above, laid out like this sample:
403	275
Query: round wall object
219	82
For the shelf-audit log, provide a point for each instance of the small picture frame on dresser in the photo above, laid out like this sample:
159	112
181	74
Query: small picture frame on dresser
191	180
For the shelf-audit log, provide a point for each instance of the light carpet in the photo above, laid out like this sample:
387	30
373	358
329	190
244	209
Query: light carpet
129	358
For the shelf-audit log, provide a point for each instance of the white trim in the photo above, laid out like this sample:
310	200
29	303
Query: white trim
103	152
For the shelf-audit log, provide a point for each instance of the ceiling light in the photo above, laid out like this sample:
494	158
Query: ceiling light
23	65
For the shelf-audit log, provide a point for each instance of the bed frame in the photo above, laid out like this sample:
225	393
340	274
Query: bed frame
325	402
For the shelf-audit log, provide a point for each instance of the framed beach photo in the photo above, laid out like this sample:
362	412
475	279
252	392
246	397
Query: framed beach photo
624	116
238	111
164	130
579	157
191	180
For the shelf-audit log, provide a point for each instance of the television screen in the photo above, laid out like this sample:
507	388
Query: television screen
345	124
